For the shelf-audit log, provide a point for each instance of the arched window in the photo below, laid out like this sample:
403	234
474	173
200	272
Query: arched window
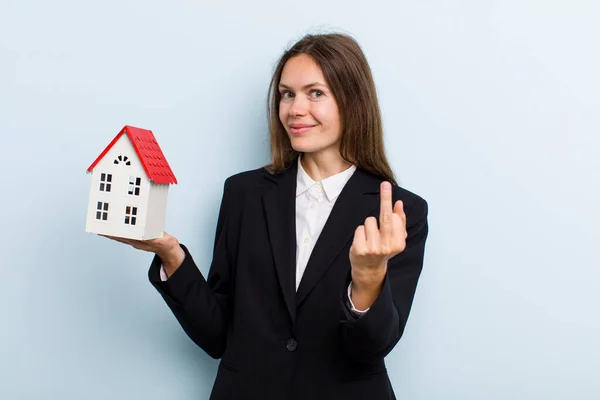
121	159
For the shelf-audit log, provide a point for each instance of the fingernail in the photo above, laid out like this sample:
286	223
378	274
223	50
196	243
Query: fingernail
387	186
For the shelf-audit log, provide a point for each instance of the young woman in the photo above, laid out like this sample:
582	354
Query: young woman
316	256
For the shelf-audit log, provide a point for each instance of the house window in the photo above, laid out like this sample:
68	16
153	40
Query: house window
105	182
102	211
130	215
134	186
121	159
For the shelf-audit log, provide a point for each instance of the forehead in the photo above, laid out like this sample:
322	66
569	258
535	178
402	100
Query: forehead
301	69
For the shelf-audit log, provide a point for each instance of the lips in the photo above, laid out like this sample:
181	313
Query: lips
298	129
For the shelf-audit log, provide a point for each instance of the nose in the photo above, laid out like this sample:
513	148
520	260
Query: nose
298	107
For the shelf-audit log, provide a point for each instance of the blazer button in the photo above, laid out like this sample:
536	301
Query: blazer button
291	344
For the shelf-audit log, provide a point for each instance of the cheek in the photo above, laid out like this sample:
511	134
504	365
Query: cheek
329	116
282	113
336	119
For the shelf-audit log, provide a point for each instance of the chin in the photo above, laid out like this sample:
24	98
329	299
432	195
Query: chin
303	147
306	145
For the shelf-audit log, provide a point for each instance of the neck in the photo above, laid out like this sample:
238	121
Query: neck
323	165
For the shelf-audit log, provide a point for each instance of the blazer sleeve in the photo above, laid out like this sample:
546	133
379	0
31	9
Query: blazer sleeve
202	306
371	337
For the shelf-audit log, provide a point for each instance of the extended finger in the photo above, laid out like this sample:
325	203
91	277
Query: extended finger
126	241
385	210
145	245
115	238
138	244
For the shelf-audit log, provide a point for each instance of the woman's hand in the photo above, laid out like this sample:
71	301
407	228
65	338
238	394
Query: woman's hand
166	247
372	247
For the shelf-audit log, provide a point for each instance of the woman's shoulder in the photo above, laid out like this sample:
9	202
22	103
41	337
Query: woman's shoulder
411	200
249	179
413	203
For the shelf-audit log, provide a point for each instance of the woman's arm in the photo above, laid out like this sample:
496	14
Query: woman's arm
372	336
202	306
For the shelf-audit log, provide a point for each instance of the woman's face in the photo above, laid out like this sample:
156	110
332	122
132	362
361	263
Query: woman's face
307	109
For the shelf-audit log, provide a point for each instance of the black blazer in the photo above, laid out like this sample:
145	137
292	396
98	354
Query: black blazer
278	343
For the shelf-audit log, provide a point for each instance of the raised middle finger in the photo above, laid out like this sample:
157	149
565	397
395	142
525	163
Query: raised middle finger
385	210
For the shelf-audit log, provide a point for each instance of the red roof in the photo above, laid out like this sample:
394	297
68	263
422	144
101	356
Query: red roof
151	156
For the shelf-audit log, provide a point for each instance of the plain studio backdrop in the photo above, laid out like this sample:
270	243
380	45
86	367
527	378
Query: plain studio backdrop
491	113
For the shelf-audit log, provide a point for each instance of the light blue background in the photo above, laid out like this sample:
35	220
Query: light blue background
491	113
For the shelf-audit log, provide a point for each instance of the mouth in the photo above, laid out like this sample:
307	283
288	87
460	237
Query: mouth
298	129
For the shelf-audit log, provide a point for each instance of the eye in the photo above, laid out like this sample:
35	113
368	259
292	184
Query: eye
286	94
317	93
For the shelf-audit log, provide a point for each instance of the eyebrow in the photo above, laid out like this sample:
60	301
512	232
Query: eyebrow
305	86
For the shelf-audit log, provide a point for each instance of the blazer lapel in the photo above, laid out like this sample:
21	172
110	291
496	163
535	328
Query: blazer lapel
279	204
356	201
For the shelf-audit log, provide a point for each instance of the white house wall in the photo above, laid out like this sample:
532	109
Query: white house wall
157	210
118	198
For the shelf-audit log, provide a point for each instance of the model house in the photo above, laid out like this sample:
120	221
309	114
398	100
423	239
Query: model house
130	183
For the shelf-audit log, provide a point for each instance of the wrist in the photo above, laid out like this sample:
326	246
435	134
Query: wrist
364	292
368	280
369	288
172	258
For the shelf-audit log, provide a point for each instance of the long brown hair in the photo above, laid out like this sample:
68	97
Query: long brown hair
349	77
